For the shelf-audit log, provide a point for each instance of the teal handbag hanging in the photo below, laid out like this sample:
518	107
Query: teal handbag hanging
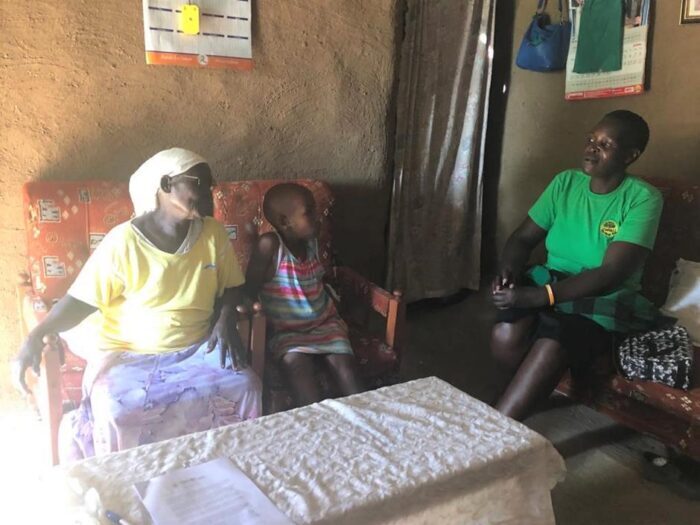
545	46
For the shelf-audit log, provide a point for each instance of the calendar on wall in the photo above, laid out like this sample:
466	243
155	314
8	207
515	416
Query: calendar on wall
201	33
627	81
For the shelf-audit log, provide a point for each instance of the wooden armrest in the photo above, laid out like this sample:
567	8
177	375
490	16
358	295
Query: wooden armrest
251	327
258	334
46	389
32	309
49	395
356	291
349	283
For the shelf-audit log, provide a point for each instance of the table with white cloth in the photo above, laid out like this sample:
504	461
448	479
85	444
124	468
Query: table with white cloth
416	452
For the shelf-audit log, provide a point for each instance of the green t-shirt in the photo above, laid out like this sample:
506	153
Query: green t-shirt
581	224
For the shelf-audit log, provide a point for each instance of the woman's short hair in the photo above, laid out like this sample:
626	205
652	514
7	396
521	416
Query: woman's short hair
634	129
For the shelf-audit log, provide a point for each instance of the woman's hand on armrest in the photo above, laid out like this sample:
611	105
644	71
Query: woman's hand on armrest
66	313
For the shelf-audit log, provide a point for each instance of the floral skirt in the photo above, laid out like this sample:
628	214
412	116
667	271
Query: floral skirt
132	399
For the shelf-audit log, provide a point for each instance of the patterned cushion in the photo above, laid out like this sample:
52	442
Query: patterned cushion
684	404
64	222
374	357
668	414
602	377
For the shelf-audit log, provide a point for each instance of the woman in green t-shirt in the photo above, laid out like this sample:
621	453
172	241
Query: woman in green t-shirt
599	225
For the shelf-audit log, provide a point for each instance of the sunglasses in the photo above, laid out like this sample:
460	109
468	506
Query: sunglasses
196	181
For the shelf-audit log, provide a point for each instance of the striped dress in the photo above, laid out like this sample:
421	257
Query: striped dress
302	315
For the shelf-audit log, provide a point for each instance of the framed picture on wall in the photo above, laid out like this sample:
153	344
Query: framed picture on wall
690	11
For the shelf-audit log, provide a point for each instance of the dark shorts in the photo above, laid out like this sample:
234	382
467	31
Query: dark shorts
582	339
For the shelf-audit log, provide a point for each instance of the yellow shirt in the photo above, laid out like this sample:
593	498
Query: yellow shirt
152	301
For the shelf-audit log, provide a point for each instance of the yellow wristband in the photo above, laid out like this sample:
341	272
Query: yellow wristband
550	294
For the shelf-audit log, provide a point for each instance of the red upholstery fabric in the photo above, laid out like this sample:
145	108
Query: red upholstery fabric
64	221
673	416
678	237
374	357
682	404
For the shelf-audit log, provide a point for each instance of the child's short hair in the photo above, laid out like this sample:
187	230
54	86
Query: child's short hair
275	200
635	130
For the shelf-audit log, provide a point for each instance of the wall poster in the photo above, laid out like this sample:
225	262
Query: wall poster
206	33
627	81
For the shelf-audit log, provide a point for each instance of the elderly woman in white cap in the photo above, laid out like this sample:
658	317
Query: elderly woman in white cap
149	291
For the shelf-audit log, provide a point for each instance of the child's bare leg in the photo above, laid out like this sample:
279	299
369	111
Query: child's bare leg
300	372
343	368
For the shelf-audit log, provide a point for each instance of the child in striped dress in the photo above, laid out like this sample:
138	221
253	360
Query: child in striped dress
285	272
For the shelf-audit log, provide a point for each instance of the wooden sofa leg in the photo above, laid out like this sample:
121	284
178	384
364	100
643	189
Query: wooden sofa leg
257	341
243	326
394	319
49	398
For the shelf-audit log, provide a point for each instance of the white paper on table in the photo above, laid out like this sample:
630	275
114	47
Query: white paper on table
212	493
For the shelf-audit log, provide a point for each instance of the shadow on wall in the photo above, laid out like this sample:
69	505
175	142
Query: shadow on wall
654	161
116	152
359	224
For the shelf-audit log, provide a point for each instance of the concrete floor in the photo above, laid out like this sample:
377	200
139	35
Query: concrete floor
604	483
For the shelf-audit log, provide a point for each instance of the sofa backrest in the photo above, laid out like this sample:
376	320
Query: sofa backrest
678	236
65	221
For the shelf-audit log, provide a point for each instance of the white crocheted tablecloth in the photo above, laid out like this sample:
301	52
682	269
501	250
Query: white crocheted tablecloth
417	452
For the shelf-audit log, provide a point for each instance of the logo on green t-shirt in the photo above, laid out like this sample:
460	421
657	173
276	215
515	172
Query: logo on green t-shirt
609	228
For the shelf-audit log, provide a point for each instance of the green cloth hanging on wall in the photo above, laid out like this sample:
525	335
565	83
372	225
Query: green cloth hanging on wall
600	37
